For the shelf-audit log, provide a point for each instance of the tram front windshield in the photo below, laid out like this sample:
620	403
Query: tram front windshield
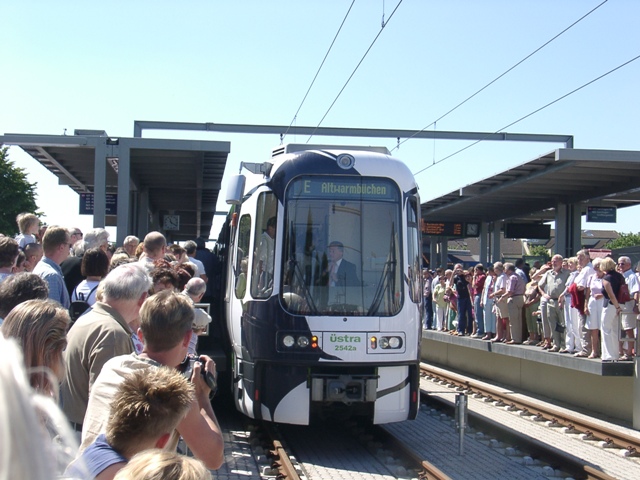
342	247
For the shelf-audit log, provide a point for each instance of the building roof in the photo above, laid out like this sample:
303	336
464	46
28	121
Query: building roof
182	177
531	191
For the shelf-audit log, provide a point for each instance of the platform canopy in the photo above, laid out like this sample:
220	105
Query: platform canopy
531	192
177	178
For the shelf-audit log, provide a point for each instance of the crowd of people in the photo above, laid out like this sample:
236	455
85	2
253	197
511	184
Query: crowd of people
579	306
91	340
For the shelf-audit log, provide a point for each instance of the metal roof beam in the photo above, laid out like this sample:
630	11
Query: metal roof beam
140	125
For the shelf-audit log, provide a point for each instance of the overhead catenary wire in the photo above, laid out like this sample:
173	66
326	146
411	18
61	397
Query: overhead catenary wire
354	71
319	68
504	73
532	113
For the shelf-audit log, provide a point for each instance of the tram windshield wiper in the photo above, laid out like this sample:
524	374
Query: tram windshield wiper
294	266
387	278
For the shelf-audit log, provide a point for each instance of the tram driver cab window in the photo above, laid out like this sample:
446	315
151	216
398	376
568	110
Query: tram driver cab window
264	255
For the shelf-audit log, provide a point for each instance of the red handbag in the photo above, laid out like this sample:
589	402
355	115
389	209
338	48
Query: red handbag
623	294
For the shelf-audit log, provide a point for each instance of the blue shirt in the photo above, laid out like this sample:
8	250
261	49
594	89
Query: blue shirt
96	458
51	273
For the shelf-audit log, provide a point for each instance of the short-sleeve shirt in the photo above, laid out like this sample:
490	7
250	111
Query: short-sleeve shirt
199	266
487	289
515	285
615	279
102	392
96	458
265	252
553	283
582	280
51	273
479	284
632	281
595	285
462	286
25	239
426	291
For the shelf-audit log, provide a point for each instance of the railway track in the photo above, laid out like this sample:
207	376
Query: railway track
280	444
585	428
281	458
428	471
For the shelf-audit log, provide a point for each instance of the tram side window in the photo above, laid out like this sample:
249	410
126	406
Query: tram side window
264	255
242	257
414	275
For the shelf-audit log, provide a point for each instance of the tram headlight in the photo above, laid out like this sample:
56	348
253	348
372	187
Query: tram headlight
288	341
391	343
303	341
394	342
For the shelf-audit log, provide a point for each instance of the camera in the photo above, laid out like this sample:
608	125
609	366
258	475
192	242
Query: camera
186	368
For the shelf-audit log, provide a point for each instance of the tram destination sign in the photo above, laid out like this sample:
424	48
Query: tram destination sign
344	188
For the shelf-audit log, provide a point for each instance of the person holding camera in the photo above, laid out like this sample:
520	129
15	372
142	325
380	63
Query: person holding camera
166	320
146	409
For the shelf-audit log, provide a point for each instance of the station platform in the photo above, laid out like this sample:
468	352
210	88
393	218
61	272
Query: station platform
536	354
607	389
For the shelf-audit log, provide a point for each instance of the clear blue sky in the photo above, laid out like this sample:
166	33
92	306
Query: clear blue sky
102	65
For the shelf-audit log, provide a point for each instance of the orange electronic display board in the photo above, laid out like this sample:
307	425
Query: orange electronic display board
444	229
451	229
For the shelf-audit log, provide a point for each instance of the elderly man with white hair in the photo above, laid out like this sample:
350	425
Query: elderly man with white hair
130	244
195	289
101	334
628	317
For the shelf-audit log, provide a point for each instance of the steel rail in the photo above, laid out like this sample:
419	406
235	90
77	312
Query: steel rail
282	461
428	470
594	429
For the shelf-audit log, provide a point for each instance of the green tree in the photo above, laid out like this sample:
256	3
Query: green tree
538	251
17	195
624	240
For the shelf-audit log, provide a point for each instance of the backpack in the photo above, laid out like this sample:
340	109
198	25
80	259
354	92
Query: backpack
78	307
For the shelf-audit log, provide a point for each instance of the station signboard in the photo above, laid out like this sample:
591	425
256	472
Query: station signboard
601	214
86	204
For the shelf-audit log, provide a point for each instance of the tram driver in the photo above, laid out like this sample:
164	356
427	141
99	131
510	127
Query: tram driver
340	272
266	250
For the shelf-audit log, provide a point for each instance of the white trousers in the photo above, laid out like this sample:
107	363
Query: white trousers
439	312
573	335
610	333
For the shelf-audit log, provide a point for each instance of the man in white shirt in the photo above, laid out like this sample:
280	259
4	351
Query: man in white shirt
191	248
628	316
582	281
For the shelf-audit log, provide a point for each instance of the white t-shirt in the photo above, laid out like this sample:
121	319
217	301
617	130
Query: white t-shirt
199	266
632	281
84	291
103	391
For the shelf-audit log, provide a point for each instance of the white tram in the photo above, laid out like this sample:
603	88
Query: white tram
323	286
